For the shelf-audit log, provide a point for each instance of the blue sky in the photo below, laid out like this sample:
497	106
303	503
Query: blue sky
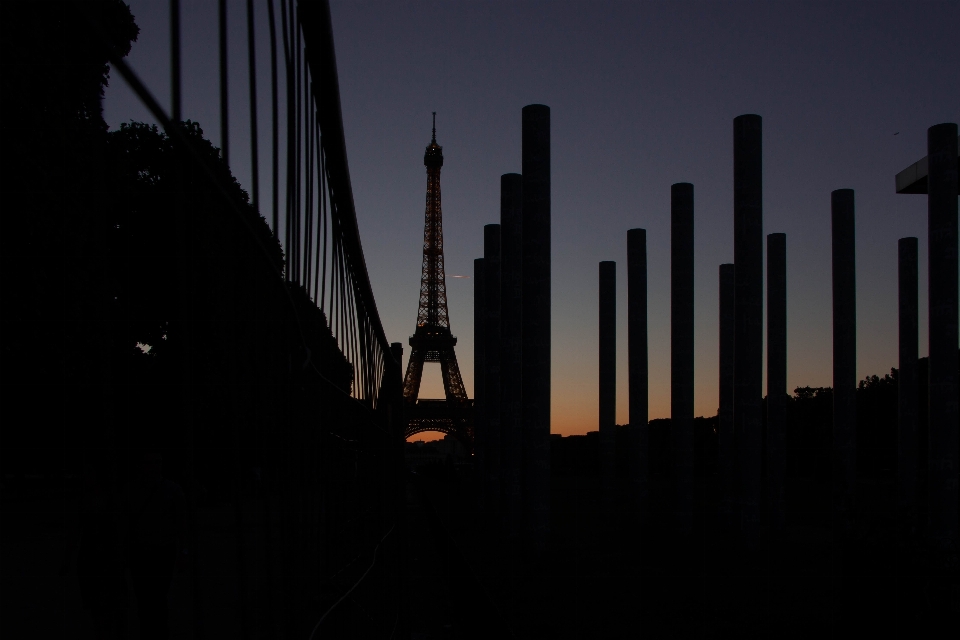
642	95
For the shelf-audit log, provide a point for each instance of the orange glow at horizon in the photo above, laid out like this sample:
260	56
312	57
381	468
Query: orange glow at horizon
427	436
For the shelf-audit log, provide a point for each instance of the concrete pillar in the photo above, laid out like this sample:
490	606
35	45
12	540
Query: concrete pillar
393	388
748	366
608	380
637	365
681	349
491	366
776	379
536	325
942	294
844	359
908	444
479	424
726	463
511	236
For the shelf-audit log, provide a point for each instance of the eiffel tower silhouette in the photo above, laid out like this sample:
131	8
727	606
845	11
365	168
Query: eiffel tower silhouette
432	341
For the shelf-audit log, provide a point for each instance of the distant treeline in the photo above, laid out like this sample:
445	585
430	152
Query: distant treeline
809	436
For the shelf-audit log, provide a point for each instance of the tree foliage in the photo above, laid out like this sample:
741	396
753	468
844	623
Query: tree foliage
179	219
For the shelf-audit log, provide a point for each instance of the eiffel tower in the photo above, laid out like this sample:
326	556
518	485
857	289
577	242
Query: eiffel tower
432	341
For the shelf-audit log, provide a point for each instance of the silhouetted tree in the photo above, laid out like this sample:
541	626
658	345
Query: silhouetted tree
166	207
54	342
877	402
809	433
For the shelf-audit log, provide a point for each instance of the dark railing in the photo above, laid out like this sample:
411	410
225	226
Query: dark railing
304	532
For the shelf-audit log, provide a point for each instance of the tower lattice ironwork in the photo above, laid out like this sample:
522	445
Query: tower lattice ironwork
432	341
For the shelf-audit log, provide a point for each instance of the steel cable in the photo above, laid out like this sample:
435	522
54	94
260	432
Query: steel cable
252	82
224	98
275	160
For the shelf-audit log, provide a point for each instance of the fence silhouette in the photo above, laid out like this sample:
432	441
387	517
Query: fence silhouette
272	388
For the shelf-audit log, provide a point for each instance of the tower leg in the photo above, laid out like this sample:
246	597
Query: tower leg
411	384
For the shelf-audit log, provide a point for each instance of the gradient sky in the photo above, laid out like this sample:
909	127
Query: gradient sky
642	95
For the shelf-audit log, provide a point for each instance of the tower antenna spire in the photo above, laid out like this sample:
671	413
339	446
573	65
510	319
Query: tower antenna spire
434	126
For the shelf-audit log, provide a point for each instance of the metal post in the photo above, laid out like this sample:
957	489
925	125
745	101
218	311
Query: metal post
397	426
224	112
608	379
776	378
748	368
175	60
637	366
252	85
726	463
942	283
681	350
491	367
511	361
907	401
844	358
479	398
536	325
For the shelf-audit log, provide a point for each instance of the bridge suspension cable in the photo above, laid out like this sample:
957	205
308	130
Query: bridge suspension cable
323	263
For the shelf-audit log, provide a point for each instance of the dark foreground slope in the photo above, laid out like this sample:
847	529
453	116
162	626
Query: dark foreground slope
611	573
